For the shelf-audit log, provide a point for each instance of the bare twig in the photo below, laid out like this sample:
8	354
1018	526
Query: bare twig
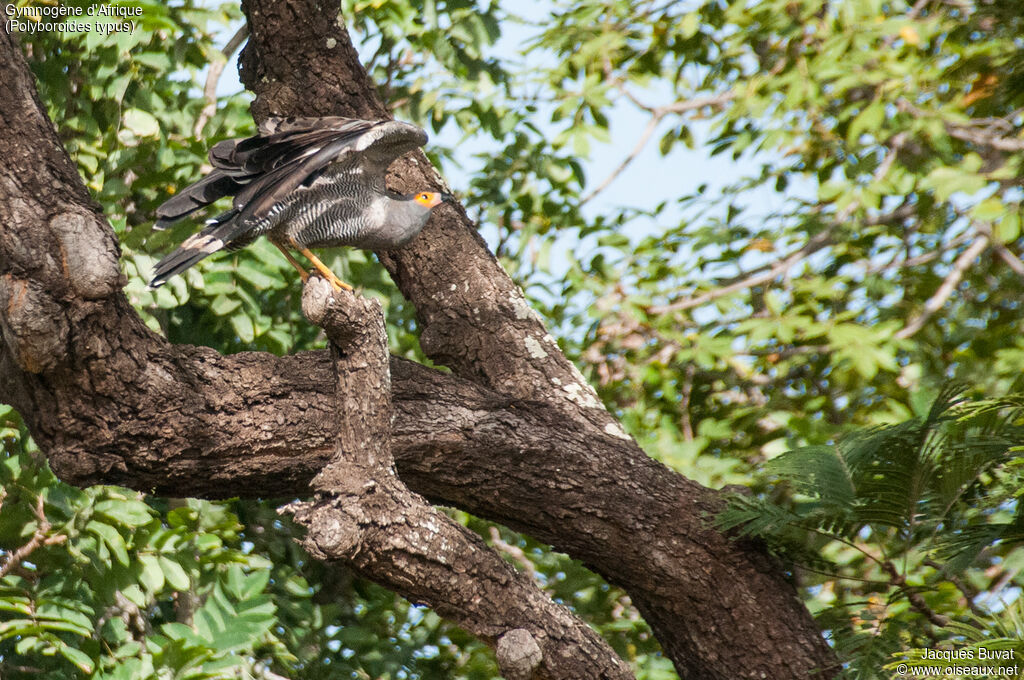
994	141
1009	258
513	551
213	78
1003	578
916	10
916	600
988	132
895	144
767	272
658	113
22	668
950	283
684	405
923	258
965	588
780	267
843	577
39	538
713	101
645	136
779	353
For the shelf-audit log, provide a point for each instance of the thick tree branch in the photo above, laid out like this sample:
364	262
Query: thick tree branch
476	322
363	514
474	319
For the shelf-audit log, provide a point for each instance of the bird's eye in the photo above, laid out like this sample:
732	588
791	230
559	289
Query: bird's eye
424	197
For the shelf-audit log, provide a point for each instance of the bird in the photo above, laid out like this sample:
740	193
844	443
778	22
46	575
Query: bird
304	183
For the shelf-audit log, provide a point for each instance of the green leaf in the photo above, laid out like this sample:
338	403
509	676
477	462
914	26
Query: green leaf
112	538
151	575
130	513
174	574
258	278
948	181
141	123
1008	228
869	120
223	305
82	660
243	327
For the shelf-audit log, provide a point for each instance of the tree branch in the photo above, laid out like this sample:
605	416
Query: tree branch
38	540
949	284
649	129
1009	258
987	132
982	138
813	245
897	580
213	79
658	114
364	515
475	321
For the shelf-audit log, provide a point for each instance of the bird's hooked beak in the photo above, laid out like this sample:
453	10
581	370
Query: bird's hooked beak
447	198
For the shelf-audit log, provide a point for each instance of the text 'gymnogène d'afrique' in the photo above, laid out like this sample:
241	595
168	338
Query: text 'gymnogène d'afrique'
30	19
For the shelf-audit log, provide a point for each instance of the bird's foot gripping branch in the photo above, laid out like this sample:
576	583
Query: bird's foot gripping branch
364	515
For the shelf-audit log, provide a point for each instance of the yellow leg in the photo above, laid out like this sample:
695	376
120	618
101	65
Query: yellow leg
321	267
292	260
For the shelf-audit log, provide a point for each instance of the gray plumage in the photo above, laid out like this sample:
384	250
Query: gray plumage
304	182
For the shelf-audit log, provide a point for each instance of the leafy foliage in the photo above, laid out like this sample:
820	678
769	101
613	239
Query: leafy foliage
922	517
97	583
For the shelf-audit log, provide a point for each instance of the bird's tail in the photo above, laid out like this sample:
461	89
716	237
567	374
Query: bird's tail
197	196
212	238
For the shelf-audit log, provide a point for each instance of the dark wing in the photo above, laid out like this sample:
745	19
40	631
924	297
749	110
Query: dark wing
199	195
261	171
195	248
377	148
244	164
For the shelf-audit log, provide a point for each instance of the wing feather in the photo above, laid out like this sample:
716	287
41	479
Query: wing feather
196	197
379	147
261	171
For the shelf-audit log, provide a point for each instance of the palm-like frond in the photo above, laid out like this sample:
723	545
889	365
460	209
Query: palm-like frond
939	484
790	535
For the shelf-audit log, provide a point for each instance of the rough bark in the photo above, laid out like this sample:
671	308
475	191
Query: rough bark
515	435
363	514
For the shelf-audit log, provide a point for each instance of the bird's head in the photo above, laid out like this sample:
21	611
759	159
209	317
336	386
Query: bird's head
429	199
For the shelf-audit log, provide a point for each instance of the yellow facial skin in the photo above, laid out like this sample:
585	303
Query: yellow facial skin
428	199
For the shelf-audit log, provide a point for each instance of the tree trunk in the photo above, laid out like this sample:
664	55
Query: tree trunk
514	435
